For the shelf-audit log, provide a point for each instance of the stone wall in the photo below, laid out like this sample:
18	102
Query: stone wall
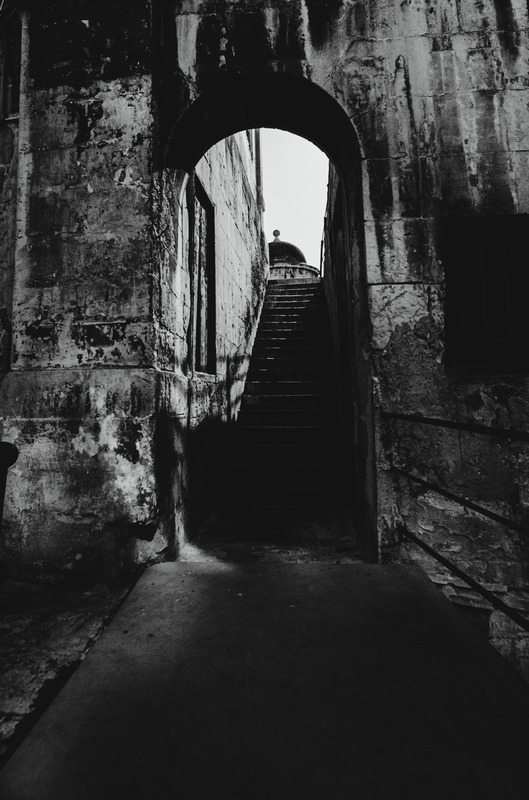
8	188
96	398
199	406
440	100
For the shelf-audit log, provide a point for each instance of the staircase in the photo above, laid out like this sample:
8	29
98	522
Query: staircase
285	448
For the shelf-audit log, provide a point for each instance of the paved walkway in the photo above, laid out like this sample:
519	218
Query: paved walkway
265	681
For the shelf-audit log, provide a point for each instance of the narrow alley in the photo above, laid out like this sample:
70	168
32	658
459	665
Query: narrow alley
264	511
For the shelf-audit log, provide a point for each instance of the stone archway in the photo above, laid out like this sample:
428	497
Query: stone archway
267	99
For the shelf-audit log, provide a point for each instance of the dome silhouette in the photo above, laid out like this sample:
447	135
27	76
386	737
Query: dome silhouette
285	252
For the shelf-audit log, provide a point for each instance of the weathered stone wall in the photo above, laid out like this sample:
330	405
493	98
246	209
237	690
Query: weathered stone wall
439	97
95	399
8	188
77	402
199	406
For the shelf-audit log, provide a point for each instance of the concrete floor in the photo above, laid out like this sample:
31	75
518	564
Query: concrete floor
281	680
45	632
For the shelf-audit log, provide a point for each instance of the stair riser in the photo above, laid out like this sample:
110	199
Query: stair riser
291	313
255	497
288	475
292	333
300	436
287	308
287	402
284	376
301	299
293	336
291	343
285	365
293	283
286	387
301	455
307	350
311	485
281	329
287	417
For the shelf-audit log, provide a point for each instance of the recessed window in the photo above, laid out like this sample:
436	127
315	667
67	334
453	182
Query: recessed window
487	290
10	44
202	272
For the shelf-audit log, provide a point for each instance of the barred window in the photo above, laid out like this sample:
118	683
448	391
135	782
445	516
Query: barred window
487	289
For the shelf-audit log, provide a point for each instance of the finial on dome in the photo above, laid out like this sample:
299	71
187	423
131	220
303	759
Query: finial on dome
276	233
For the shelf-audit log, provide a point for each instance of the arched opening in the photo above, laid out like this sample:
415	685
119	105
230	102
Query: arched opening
247	102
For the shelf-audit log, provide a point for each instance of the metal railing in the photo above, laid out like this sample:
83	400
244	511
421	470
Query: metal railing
404	533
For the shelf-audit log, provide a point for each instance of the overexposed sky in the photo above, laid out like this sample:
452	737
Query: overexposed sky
295	176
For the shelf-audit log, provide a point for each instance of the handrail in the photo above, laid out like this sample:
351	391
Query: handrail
510	612
468	427
512	435
463	501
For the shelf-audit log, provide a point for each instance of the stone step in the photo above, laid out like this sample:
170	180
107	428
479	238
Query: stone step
302	299
290	340
287	401
291	324
287	387
310	365
306	496
296	327
289	313
305	435
285	478
281	359
301	454
276	345
294	282
302	306
292	373
292	335
317	351
263	417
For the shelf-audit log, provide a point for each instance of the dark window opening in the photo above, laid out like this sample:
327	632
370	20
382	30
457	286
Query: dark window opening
487	288
10	45
202	263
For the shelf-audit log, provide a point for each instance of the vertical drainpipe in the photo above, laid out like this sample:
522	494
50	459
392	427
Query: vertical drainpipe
24	173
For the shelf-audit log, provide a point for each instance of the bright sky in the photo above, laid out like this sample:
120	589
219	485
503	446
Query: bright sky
295	176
